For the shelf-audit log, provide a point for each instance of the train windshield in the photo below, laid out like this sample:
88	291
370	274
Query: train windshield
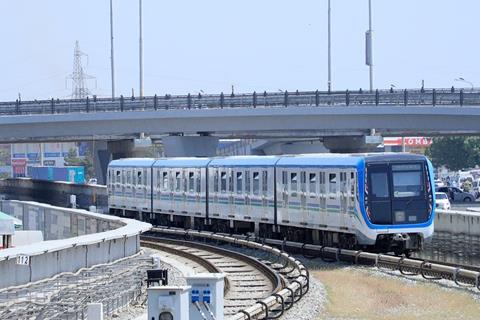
407	180
396	193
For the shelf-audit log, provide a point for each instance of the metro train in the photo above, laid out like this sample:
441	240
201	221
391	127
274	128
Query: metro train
383	202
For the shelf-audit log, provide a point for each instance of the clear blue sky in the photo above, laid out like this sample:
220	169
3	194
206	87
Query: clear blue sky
255	45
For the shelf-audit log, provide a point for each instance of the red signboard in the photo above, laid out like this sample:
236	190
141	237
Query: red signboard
409	141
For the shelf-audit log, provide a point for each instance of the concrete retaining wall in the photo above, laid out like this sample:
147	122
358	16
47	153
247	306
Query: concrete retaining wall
458	222
78	239
54	192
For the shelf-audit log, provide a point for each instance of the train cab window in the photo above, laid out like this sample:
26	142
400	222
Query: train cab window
239	182
407	180
223	182
191	182
164	180
379	183
177	181
303	181
256	183
265	182
293	184
312	184
332	179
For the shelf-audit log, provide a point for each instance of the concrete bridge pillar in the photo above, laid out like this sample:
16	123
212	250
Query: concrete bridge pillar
101	158
190	146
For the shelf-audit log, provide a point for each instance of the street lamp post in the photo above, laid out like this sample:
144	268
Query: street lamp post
140	47
368	45
460	79
329	48
111	50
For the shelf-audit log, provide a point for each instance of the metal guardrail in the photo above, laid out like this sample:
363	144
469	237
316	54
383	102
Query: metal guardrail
407	97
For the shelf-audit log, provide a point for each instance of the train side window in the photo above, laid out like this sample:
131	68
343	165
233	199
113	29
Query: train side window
118	176
146	180
191	182
303	178
199	179
332	179
247	182
215	181
129	177
177	181
285	180
293	184
223	182
312	181
239	182
139	177
265	182
256	183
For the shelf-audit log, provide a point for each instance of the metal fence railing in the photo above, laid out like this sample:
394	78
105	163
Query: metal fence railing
410	97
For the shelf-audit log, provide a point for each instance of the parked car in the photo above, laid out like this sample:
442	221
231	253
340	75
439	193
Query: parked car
442	201
476	188
456	195
439	183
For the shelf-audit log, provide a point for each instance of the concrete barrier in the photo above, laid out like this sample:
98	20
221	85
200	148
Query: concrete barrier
77	239
458	222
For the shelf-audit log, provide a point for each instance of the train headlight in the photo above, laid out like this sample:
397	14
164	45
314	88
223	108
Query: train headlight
400	216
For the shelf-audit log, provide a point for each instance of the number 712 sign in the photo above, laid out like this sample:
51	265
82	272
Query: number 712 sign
23	260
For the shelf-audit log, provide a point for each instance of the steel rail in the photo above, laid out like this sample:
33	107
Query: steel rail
274	305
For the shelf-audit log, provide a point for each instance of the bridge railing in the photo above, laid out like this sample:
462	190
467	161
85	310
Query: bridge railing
411	97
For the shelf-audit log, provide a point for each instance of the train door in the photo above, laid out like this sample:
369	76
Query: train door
323	195
378	194
264	204
343	200
256	199
282	196
248	194
312	199
231	194
293	205
128	184
303	216
333	200
171	189
214	194
239	194
177	191
352	191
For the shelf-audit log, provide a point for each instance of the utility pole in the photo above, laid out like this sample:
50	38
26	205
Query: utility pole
111	50
329	49
369	44
140	49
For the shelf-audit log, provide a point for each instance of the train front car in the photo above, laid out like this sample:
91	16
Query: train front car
397	203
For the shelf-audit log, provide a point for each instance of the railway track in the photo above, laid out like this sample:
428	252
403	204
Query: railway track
261	281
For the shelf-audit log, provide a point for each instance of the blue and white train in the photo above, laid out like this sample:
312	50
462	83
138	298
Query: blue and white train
380	201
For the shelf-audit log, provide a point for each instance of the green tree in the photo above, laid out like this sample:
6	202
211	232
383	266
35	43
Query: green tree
86	162
455	153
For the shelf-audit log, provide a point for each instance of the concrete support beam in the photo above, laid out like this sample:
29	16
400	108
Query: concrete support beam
347	144
190	146
101	158
278	147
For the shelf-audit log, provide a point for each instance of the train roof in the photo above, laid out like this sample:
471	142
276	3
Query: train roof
315	160
182	162
132	162
250	161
